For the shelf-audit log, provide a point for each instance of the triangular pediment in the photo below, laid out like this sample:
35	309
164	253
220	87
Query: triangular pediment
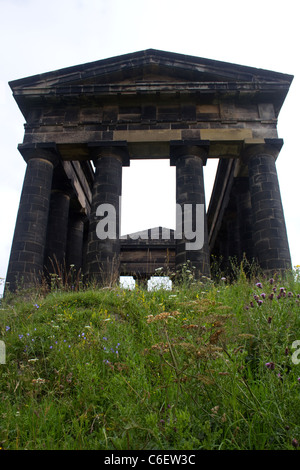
148	66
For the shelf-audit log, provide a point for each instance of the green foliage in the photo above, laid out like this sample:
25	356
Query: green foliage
204	366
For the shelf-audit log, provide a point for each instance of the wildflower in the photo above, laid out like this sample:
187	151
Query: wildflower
215	409
269	319
259	302
290	294
295	443
7	328
271	281
270	365
281	290
38	381
105	339
36	305
263	295
298	379
223	278
271	296
259	285
20	336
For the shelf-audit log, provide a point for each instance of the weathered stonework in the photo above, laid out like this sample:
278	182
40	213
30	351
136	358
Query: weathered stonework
148	104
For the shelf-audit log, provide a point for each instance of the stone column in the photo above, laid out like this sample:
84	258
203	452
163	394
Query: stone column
27	253
244	216
56	243
103	251
269	230
75	240
189	160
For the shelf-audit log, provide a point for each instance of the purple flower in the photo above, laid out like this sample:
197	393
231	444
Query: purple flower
290	294
271	281
259	302
259	285
270	365
295	443
7	328
263	295
271	296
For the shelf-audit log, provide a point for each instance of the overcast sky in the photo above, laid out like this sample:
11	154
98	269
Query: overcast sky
38	36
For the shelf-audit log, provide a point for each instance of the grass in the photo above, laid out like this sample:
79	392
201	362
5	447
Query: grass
204	366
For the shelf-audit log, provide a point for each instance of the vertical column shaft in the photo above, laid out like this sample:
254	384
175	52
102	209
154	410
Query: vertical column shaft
56	243
244	217
75	240
103	250
27	252
269	230
189	162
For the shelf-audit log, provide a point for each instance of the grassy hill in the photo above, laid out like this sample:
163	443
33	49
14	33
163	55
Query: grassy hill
204	366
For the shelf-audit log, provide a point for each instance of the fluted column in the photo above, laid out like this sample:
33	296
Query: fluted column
27	253
191	208
103	251
269	230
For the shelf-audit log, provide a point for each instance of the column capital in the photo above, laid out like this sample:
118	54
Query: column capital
110	148
270	147
185	148
44	151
